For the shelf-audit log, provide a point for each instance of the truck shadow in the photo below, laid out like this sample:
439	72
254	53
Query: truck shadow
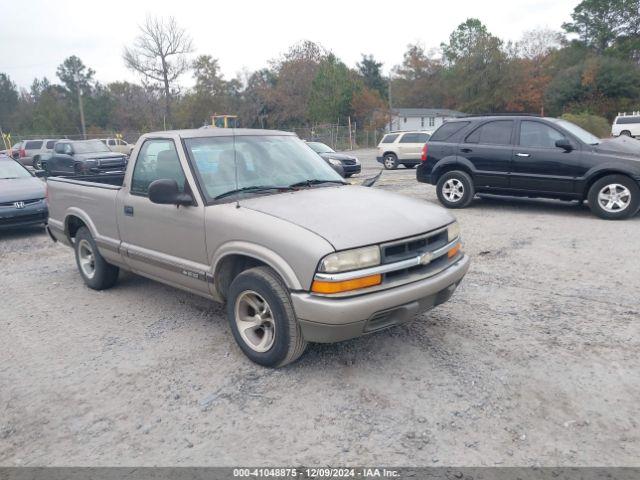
22	233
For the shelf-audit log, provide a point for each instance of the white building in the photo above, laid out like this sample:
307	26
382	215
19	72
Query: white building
427	119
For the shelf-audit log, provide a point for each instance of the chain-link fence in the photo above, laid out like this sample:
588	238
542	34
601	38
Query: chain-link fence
340	137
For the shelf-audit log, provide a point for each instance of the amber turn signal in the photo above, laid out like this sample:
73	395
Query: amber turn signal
320	286
453	251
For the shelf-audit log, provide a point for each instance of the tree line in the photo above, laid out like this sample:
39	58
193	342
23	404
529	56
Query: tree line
591	68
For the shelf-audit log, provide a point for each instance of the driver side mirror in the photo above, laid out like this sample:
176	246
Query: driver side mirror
564	144
165	192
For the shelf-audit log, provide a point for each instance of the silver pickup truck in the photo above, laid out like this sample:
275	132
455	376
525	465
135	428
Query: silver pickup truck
257	220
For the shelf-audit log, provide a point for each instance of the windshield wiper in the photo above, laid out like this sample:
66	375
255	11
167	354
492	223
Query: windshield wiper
308	183
252	188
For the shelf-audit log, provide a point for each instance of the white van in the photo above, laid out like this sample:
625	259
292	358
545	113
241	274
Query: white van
626	124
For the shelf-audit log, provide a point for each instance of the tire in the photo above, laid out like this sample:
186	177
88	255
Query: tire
409	165
77	169
88	259
275	338
390	161
614	197
37	163
626	133
348	175
455	189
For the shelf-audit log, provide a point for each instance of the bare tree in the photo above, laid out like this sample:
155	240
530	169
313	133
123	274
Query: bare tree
160	54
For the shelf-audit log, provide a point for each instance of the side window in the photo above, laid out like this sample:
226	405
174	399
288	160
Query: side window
422	137
537	134
389	138
410	138
111	142
33	145
158	159
492	133
59	147
50	144
447	130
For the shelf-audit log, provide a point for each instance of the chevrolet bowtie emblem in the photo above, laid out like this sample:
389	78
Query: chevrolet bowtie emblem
425	258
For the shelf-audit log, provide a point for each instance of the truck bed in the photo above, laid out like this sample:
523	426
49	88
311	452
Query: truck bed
112	179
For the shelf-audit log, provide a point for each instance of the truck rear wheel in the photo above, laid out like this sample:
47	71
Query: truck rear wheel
94	269
262	319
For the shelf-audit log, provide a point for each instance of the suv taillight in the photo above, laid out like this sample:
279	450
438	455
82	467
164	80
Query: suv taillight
22	153
423	158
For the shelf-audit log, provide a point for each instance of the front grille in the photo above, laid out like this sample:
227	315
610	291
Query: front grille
26	202
411	248
349	162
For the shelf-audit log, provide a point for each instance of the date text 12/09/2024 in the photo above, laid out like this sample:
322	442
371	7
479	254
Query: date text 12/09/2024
323	472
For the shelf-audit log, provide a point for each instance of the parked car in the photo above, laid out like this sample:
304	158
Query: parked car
255	219
533	157
22	196
13	152
350	164
31	151
628	125
118	145
401	148
81	157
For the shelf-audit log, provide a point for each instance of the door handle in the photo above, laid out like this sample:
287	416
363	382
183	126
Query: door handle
523	155
466	150
128	210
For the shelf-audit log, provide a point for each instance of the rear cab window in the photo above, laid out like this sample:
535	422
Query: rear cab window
447	130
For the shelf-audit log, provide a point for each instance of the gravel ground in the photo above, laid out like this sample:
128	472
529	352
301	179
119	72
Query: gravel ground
534	361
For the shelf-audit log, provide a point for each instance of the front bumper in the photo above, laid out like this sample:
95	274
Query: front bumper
35	214
327	320
352	169
379	159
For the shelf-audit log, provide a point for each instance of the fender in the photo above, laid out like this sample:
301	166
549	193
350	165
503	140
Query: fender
602	170
265	255
452	160
101	240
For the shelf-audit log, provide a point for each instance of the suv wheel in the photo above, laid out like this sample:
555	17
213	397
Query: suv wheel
626	133
390	161
614	197
455	189
37	163
262	319
94	269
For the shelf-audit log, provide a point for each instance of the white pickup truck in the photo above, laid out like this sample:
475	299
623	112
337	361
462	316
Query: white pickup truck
258	220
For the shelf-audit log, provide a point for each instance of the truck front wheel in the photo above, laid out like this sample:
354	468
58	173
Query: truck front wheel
94	269
262	319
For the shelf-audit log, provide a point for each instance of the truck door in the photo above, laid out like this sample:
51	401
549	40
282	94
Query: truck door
164	242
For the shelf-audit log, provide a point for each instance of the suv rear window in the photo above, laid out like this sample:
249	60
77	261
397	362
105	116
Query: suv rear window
389	138
414	138
627	120
33	145
446	130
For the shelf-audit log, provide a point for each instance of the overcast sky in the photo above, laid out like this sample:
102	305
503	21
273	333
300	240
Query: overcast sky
36	35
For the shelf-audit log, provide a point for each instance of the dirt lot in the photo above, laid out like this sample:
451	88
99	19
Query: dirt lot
533	362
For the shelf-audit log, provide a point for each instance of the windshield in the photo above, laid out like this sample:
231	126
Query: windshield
577	131
90	146
11	169
274	161
320	147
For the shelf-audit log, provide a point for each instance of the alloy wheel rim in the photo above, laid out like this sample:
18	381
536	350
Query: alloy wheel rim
86	258
255	321
389	162
614	198
453	190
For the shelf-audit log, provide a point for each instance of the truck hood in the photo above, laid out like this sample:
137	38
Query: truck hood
620	146
18	189
352	216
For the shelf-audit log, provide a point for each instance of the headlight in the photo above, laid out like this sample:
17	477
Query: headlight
350	260
453	231
335	162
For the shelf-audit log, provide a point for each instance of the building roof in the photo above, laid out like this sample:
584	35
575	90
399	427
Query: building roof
427	112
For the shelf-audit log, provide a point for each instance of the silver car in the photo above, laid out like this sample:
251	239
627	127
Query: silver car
255	219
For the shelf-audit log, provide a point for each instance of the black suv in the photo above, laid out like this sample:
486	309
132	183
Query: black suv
82	157
531	156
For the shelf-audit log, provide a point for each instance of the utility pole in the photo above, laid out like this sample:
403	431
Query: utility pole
390	104
84	131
